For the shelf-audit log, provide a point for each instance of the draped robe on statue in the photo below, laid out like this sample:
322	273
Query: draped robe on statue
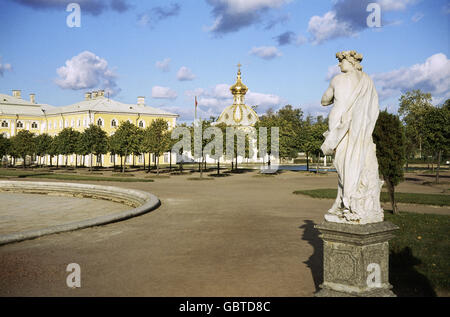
358	199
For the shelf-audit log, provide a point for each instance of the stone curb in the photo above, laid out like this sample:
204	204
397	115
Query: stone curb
142	201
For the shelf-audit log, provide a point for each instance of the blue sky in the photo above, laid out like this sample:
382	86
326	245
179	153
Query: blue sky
172	51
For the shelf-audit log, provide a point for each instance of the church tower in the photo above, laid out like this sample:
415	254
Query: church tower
238	114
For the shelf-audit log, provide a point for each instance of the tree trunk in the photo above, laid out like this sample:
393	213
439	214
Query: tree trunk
391	192
307	161
124	163
24	161
170	161
67	159
317	165
121	162
438	166
90	165
218	166
236	162
76	161
144	161
157	166
201	167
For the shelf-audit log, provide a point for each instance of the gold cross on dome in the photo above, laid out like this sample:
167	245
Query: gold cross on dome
239	65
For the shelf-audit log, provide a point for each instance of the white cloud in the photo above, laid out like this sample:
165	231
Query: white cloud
432	76
86	71
4	67
332	71
300	40
395	5
159	92
244	6
265	52
163	65
212	101
264	101
328	27
233	15
153	16
348	17
185	74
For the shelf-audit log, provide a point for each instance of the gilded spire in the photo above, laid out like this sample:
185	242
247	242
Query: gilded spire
239	88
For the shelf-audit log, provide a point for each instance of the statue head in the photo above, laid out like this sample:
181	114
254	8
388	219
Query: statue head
349	60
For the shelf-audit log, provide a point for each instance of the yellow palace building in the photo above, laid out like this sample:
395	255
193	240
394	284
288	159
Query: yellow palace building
17	114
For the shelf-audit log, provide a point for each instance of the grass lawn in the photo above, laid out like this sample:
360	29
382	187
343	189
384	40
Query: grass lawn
407	198
419	262
28	174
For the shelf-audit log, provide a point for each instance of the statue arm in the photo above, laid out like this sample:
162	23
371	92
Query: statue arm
328	96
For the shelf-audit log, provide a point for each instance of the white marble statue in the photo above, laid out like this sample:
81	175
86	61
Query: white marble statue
349	137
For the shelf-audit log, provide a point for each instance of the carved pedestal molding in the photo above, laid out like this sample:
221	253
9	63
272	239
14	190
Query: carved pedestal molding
356	259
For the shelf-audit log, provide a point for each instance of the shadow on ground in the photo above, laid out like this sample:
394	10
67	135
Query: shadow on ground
315	261
404	277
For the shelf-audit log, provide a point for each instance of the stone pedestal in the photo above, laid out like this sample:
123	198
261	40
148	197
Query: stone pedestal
356	259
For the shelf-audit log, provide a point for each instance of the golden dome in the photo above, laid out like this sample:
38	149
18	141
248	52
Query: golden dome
239	88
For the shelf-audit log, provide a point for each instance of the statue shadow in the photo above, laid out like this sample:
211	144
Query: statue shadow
405	279
315	261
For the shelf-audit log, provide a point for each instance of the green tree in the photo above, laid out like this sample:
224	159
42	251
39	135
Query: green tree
413	106
199	154
223	128
23	145
312	138
389	138
139	149
67	142
5	145
437	133
53	150
157	139
43	143
126	140
95	140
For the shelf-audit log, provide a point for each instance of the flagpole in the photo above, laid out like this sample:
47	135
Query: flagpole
195	118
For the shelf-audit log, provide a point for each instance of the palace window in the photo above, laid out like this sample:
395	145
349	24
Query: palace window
114	123
19	124
100	122
5	124
34	125
141	124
